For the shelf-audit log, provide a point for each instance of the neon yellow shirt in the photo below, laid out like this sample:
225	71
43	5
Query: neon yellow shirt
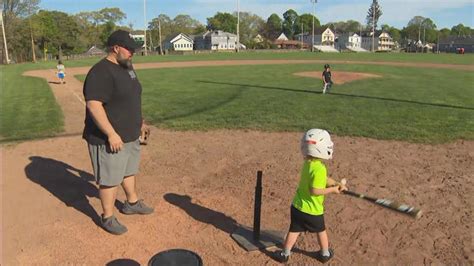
313	174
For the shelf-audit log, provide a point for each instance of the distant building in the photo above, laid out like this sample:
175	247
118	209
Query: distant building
382	41
452	44
178	42
282	37
216	41
139	37
258	38
94	51
323	36
349	41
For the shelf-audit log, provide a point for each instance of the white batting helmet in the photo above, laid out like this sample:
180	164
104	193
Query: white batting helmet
317	143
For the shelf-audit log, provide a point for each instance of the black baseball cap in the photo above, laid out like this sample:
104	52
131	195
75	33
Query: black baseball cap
122	38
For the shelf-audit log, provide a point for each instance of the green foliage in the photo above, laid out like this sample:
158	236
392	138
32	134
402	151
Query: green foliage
422	22
394	32
307	21
273	27
57	31
461	30
222	21
346	26
290	26
249	26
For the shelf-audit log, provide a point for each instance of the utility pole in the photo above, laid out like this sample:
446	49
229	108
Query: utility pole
31	33
151	41
159	35
314	12
238	26
302	35
144	17
373	27
4	38
438	44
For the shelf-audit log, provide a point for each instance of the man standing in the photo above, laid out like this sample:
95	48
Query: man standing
112	128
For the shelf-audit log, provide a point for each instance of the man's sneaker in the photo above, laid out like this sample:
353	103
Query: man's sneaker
112	225
324	259
138	208
280	257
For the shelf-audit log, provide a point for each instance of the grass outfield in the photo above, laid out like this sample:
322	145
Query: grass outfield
29	110
28	107
420	105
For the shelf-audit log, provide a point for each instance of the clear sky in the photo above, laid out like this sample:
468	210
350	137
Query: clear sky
445	13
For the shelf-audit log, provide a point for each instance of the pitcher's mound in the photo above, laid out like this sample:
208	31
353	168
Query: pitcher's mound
339	77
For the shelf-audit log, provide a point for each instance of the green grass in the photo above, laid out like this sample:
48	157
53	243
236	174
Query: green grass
29	110
432	106
28	107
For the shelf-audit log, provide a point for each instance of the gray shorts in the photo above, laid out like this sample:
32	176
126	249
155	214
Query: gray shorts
110	168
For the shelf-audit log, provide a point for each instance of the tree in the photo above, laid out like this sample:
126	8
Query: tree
422	22
373	15
345	26
250	25
58	32
460	30
111	15
444	33
223	21
18	29
289	25
394	32
307	21
96	25
421	29
185	24
273	27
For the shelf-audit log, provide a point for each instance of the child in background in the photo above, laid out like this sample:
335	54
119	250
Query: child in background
327	78
61	72
307	210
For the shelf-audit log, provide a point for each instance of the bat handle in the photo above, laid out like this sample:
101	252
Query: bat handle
352	193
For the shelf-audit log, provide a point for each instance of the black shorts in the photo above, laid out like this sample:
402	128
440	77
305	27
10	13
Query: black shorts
303	222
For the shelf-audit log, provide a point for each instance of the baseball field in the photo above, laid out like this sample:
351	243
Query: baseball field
402	126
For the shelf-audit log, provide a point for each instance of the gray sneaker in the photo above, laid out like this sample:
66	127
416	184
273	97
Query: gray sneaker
139	208
112	225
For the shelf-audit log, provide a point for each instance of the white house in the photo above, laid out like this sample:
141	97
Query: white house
382	41
282	37
349	41
139	37
178	42
258	38
324	37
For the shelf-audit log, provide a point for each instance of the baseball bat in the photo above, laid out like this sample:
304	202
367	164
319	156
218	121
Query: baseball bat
393	205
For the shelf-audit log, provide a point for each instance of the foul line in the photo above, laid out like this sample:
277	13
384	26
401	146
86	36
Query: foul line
73	92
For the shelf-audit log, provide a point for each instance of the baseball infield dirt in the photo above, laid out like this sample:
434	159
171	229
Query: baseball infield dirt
202	183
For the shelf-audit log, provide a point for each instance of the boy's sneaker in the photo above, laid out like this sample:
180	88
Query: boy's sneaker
324	259
112	225
138	208
280	257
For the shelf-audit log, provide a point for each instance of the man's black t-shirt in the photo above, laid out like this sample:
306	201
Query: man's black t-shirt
327	76
120	92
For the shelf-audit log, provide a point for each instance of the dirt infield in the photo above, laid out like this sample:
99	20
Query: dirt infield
201	185
339	77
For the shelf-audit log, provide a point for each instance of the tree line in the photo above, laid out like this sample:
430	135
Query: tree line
31	33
